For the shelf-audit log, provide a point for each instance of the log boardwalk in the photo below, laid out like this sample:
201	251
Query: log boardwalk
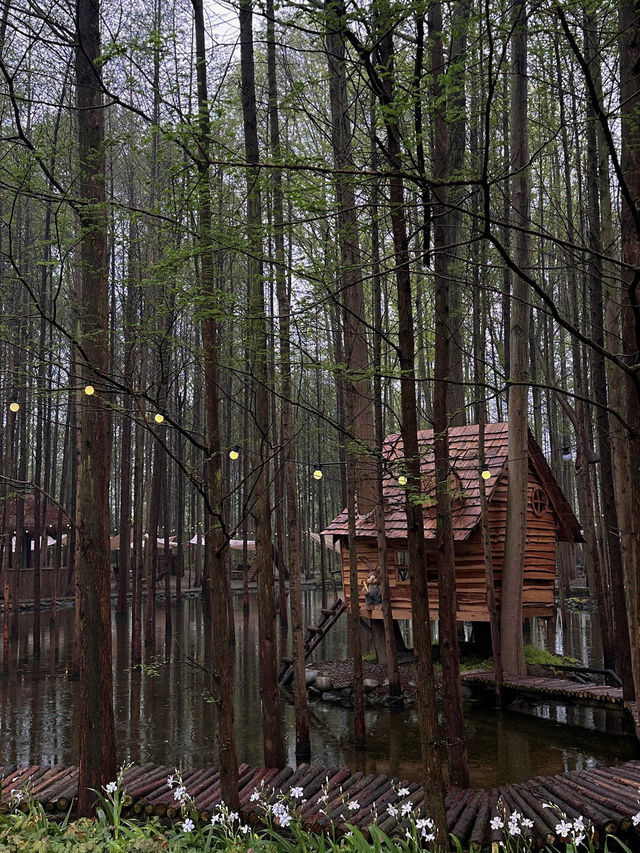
606	797
558	689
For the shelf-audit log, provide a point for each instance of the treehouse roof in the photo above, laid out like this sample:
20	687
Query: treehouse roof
464	478
50	522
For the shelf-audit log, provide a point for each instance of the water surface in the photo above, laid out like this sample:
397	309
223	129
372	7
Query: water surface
164	713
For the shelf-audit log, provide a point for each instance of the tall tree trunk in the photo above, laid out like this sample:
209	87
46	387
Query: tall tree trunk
427	716
518	465
271	706
216	540
627	446
393	673
97	735
361	476
449	649
303	740
596	213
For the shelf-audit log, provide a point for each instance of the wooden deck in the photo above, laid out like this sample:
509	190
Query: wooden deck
551	688
607	797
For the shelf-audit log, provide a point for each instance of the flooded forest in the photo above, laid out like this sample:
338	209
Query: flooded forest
314	314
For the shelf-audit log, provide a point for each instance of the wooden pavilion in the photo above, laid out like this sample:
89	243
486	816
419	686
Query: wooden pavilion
550	519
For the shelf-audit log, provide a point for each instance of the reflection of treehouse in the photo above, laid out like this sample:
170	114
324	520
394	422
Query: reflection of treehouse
550	519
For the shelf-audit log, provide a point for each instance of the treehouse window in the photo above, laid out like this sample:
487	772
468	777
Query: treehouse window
539	501
402	562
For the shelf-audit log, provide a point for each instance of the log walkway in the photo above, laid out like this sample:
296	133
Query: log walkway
606	797
558	689
551	688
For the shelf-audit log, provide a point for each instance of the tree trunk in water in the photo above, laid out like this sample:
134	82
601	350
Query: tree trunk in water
271	706
620	630
516	525
627	447
427	715
303	740
216	540
449	649
97	750
393	674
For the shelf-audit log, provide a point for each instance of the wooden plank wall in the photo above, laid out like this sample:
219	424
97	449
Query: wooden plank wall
540	565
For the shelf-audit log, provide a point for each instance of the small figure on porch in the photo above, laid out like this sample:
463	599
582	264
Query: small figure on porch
372	596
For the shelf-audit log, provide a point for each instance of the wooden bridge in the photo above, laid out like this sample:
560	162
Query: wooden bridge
558	689
607	798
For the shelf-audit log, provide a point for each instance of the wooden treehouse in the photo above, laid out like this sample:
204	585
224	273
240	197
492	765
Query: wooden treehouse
550	519
17	516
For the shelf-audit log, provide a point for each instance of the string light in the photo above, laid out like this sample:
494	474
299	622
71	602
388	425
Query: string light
158	417
402	480
317	472
14	406
234	453
486	474
89	390
567	455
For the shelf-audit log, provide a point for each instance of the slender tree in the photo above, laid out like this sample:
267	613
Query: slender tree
271	706
97	734
216	540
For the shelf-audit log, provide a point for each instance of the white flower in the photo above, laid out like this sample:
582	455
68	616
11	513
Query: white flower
246	829
353	806
279	810
424	823
527	822
188	825
579	839
402	792
296	792
392	810
428	836
111	787
215	818
171	781
285	820
180	793
233	816
405	808
578	823
563	828
255	796
636	819
496	822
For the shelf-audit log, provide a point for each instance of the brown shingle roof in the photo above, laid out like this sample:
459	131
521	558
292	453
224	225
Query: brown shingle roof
463	452
51	521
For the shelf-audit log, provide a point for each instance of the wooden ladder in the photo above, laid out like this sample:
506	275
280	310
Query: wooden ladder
314	636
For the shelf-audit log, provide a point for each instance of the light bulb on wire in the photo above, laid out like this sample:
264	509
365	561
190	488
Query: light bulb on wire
89	390
158	417
486	474
14	405
402	480
317	472
234	453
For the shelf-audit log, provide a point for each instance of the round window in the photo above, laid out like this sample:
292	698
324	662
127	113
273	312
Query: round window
539	501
